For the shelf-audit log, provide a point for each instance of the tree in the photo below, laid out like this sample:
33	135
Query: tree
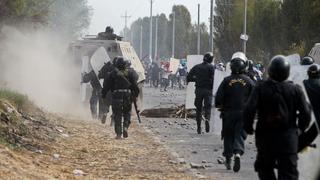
70	17
182	30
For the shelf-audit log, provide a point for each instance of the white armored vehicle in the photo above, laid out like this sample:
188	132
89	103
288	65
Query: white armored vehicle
94	51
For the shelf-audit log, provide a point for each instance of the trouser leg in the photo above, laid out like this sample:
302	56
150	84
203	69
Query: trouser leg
287	167
118	123
117	112
239	137
102	108
228	142
207	104
207	108
198	103
93	105
264	166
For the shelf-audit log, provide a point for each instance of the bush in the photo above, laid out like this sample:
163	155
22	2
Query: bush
19	100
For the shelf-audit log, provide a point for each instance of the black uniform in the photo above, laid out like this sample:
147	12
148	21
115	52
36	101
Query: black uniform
96	94
312	86
276	132
203	75
123	84
104	73
231	96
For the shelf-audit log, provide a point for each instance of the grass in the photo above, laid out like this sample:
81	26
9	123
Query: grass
19	100
14	127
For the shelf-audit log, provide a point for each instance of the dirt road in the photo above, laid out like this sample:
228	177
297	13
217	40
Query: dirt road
88	150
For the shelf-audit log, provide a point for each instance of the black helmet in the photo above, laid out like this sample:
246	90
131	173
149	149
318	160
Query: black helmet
208	57
128	63
250	64
279	68
314	72
238	63
307	60
121	63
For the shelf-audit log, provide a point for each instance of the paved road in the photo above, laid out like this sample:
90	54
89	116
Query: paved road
179	135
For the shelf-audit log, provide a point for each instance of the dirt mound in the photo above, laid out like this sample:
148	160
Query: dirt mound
24	127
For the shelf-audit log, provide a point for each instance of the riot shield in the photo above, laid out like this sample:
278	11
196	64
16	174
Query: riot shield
85	68
174	65
129	53
192	60
98	59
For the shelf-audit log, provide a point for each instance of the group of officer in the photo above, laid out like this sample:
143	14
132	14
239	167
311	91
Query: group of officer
279	107
119	90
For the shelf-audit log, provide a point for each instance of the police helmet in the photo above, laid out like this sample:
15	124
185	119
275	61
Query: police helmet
238	63
208	57
128	63
279	68
314	72
120	63
307	60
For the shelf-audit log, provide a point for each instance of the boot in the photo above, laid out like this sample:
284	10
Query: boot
118	136
125	132
227	163
103	118
207	125
112	121
236	166
199	127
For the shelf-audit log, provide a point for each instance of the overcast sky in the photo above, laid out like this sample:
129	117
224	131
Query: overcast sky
109	12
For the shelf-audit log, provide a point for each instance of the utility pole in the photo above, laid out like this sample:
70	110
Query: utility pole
245	36
211	27
173	32
126	17
150	41
156	40
198	44
141	28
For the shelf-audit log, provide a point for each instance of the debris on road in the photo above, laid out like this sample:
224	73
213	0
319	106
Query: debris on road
169	112
78	172
196	166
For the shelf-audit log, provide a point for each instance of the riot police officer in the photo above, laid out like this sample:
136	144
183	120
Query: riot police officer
203	75
95	98
123	84
253	73
312	86
279	104
104	74
231	96
306	61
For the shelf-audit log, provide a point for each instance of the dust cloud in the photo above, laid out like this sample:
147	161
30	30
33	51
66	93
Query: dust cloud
38	64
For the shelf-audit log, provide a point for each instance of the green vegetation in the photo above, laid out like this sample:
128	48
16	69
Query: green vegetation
19	100
186	34
12	127
274	27
68	18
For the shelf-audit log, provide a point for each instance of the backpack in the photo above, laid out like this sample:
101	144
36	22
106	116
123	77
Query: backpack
278	116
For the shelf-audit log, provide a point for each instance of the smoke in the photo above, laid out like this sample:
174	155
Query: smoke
36	63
